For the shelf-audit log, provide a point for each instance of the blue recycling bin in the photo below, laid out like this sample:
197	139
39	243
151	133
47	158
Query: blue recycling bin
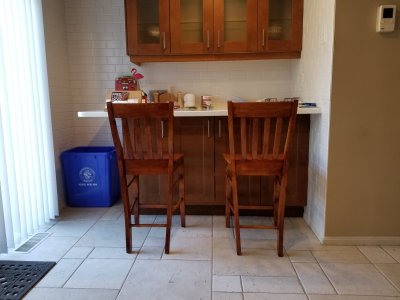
91	176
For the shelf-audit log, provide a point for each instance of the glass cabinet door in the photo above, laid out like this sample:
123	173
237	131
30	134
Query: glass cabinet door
235	26
147	26
280	25
191	26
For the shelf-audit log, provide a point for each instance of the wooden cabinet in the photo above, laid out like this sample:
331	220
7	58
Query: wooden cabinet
280	24
235	26
147	27
221	146
195	138
191	26
189	30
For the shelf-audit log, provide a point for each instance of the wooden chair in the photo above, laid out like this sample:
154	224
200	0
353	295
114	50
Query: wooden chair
259	138
146	147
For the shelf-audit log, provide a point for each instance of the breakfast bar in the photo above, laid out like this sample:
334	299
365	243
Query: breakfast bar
202	134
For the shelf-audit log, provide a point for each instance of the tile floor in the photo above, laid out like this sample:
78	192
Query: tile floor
88	246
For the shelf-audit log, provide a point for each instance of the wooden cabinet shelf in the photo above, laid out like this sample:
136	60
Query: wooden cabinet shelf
202	30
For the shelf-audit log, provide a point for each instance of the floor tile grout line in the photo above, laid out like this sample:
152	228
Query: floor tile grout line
84	259
136	257
381	246
387	278
94	223
312	252
323	271
298	278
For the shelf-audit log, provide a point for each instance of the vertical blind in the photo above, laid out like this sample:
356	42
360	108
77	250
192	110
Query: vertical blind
27	169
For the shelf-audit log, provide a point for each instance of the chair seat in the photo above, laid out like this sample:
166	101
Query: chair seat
152	166
255	167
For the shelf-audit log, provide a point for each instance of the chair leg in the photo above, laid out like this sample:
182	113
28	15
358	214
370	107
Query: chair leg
168	230
127	217
182	199
128	234
276	201
280	240
236	216
281	216
136	211
228	194
169	213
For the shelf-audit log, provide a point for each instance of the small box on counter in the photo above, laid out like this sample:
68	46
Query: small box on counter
128	97
206	102
126	83
119	96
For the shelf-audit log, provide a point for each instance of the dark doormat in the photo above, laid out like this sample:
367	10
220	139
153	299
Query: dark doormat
18	277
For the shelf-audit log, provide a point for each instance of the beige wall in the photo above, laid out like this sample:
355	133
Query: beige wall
363	188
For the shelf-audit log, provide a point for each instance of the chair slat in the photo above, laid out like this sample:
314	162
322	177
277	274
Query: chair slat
127	137
138	138
277	137
158	133
254	138
243	137
267	125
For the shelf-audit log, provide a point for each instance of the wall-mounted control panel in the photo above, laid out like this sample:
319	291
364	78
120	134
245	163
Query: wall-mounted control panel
386	18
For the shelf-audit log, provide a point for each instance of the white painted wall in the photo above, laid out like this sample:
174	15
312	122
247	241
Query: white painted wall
59	84
312	82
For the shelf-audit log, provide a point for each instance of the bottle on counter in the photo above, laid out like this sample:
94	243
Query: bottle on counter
156	97
206	102
180	99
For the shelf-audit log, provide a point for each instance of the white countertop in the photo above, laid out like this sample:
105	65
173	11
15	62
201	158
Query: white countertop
218	110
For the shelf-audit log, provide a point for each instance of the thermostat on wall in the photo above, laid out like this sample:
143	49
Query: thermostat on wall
386	18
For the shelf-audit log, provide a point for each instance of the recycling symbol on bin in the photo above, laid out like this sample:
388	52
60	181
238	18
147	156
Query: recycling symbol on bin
87	174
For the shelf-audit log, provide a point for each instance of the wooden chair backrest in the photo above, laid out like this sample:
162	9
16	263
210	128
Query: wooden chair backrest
147	130
260	130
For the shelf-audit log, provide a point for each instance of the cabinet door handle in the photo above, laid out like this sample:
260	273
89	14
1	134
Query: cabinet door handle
219	128
162	129
208	128
218	43
208	39
163	40
263	38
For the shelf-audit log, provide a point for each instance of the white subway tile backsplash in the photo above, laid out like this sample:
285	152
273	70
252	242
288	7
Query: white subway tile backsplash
103	52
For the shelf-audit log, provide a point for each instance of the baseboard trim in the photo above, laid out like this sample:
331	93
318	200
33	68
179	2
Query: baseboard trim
361	240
